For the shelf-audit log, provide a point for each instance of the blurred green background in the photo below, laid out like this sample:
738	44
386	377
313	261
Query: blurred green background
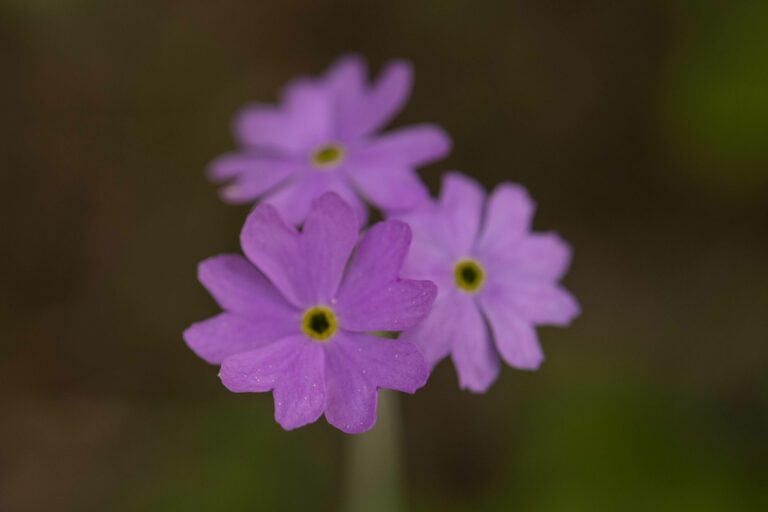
640	127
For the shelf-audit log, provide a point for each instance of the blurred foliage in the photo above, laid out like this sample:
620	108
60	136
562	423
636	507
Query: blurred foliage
638	127
716	94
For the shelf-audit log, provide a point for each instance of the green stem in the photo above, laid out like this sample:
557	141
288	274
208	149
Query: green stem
373	473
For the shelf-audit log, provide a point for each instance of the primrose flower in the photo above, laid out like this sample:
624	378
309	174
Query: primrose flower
322	138
296	317
490	270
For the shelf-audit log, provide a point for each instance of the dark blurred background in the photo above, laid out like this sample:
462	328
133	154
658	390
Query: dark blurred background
640	127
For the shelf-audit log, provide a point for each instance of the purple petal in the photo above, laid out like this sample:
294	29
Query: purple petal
511	207
346	81
300	397
261	369
266	127
327	240
295	197
537	302
312	109
348	194
233	165
427	260
400	305
254	175
508	218
239	287
226	334
372	298
390	188
461	200
293	368
536	257
473	353
386	98
274	247
435	334
351	398
379	256
411	146
432	233
303	121
346	74
386	363
515	337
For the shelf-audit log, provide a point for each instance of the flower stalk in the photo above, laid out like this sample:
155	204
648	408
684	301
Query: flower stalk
374	462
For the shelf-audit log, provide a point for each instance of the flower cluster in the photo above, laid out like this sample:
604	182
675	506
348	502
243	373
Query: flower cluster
460	275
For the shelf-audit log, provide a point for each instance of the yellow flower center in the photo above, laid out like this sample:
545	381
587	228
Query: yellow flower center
319	323
327	156
469	275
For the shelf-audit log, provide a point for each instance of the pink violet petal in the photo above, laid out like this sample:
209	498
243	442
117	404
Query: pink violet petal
391	188
385	99
436	333
473	353
293	368
462	203
538	302
327	240
294	198
260	369
270	128
300	396
508	218
428	260
515	337
351	398
252	176
274	248
372	297
239	287
311	106
539	256
227	334
378	257
346	82
302	121
411	146
233	165
347	192
386	363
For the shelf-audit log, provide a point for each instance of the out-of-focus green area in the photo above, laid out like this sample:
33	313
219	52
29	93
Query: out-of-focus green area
641	128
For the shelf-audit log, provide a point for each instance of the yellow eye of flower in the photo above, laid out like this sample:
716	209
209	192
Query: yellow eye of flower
319	323
327	155
469	275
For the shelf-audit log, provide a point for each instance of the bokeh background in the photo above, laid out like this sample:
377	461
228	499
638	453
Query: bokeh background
640	127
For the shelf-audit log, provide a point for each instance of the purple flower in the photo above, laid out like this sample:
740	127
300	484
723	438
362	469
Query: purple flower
322	138
296	316
496	280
